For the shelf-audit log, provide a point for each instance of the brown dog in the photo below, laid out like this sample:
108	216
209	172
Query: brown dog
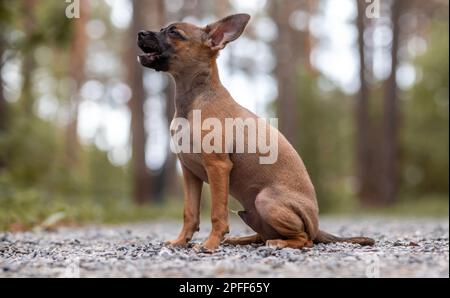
279	199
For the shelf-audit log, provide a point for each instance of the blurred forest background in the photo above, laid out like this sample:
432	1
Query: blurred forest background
84	129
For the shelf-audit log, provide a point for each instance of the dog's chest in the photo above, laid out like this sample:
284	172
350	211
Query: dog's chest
193	162
188	145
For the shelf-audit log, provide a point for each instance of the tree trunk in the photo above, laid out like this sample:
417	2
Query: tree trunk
146	15
28	63
162	180
389	181
288	48
364	144
3	104
309	43
140	173
166	181
77	73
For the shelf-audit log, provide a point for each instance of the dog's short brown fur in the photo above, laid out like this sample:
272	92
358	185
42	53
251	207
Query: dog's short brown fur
279	199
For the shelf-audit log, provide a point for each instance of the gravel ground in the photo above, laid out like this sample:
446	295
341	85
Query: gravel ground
405	248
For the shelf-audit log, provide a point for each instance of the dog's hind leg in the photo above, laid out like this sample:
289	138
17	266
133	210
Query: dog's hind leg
278	211
255	239
252	219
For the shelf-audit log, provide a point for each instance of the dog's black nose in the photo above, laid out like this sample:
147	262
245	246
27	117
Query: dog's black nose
142	34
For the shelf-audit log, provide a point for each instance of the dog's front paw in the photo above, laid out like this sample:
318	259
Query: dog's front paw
200	249
207	247
176	243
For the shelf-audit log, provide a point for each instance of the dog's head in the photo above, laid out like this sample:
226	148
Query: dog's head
182	45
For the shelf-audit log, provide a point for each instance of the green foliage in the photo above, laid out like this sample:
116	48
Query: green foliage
27	209
30	148
327	134
426	120
326	140
56	27
38	183
5	13
432	206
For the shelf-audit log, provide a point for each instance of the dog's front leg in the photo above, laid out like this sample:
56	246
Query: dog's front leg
191	215
218	168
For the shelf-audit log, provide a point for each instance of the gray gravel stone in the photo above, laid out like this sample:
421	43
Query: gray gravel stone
405	248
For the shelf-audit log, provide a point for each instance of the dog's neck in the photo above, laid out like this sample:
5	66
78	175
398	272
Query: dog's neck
192	83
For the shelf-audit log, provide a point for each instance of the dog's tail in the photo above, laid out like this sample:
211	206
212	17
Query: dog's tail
325	238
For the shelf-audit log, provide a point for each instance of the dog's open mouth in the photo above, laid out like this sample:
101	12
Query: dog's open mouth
151	53
155	56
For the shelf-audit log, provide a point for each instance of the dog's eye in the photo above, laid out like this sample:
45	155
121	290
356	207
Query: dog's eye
174	33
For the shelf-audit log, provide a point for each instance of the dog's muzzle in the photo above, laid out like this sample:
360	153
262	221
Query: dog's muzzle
155	55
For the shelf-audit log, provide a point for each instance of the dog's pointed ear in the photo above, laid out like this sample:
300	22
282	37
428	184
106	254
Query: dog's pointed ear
219	34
